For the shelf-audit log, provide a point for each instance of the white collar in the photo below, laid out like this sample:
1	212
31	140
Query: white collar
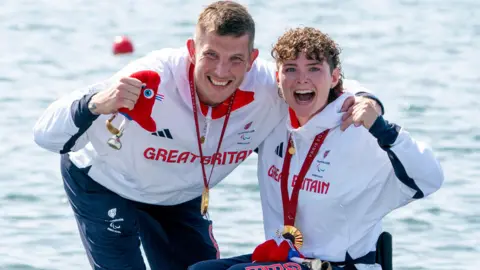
330	117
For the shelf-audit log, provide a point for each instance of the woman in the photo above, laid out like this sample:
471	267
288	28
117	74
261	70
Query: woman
325	191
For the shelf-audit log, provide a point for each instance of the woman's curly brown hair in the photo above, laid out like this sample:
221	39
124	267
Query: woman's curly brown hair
316	45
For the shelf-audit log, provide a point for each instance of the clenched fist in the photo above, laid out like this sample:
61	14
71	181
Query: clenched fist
363	111
122	94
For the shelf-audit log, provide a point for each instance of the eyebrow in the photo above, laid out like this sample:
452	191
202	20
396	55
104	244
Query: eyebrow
235	55
310	64
238	55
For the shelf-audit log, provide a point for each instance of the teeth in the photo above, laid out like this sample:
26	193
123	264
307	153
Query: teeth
303	91
217	83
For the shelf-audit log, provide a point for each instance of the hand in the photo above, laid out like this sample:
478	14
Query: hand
359	111
123	94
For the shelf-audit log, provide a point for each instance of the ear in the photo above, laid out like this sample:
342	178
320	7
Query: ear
279	89
253	56
191	50
335	77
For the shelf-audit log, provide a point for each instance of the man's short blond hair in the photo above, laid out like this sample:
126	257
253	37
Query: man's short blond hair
227	18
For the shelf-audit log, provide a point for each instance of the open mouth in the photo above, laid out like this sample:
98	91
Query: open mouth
304	96
219	83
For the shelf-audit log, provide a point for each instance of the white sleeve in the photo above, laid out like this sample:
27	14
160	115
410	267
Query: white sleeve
412	173
62	126
354	86
266	80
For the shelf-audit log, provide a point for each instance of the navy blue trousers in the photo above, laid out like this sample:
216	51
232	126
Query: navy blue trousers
112	227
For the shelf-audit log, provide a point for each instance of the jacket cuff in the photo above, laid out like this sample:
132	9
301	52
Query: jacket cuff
81	114
373	97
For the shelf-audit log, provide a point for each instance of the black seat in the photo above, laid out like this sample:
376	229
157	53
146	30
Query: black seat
384	251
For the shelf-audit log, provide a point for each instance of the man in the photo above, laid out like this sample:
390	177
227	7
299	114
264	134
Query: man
215	103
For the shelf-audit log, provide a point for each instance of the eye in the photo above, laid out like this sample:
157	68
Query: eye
290	69
148	93
237	59
211	55
314	69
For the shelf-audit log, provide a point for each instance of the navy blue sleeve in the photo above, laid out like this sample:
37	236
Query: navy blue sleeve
386	134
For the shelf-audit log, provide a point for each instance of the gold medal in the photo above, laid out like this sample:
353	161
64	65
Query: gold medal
110	126
114	141
204	203
202	139
294	235
291	150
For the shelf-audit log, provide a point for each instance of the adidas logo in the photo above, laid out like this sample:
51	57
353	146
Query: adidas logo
279	150
164	133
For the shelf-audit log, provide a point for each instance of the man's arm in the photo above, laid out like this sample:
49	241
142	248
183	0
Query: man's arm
61	128
362	97
378	104
269	82
63	125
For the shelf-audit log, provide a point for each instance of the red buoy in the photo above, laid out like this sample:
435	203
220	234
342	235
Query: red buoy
122	45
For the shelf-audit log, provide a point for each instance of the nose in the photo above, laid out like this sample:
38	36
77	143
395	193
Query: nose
222	69
302	78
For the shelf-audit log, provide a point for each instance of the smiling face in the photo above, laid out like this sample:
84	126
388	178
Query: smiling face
222	51
309	74
306	84
221	63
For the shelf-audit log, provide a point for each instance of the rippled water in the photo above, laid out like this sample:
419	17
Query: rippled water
420	57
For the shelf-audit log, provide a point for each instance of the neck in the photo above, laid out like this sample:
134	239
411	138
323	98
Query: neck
208	102
302	120
205	101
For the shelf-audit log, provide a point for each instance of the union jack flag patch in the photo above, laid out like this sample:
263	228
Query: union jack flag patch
159	97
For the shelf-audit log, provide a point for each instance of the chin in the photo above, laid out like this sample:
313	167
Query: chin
217	100
301	110
223	95
213	98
